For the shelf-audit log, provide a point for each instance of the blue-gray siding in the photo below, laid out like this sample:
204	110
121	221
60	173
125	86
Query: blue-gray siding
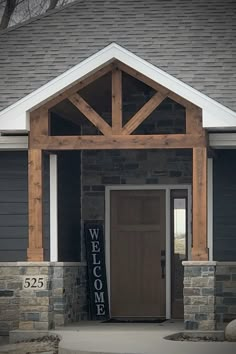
14	206
69	204
224	194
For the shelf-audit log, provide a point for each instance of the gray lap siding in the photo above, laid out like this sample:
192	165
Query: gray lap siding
224	205
14	206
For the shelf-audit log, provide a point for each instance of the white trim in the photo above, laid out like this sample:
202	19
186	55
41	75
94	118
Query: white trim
168	255
190	213
167	189
215	115
210	207
222	140
13	143
53	209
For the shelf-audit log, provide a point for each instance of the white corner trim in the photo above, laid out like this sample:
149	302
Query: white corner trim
210	208
53	209
13	142
222	140
215	115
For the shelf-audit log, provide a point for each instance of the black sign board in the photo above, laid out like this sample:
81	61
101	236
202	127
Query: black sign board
94	238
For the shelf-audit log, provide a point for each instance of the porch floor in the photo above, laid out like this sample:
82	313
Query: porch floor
111	338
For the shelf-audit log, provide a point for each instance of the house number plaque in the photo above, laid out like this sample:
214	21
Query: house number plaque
35	282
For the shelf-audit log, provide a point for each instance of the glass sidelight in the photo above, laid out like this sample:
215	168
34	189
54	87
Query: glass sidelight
179	248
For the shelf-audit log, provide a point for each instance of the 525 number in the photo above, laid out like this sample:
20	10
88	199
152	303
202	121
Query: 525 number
33	283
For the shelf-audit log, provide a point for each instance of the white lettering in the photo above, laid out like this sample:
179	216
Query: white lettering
95	246
99	297
95	261
95	271
94	233
98	284
100	310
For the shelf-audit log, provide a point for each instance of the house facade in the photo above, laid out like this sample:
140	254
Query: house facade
123	118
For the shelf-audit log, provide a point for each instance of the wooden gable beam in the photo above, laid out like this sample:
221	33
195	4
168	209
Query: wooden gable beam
137	75
116	101
143	113
78	86
156	86
90	114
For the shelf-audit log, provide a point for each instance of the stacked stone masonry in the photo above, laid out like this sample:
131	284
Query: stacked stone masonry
209	294
128	167
63	298
199	297
225	293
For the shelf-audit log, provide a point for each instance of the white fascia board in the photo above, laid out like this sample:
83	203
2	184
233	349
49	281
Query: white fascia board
222	140
13	143
215	115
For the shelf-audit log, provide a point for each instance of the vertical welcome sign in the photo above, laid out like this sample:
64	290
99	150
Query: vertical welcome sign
94	239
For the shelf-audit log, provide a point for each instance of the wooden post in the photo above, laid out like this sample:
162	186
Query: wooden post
35	195
199	249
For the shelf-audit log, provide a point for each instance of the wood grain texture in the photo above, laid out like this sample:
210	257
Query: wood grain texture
35	195
199	249
137	239
182	101
77	86
39	123
90	114
155	85
143	113
139	76
116	101
169	141
194	121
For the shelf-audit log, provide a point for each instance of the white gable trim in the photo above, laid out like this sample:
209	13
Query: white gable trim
215	115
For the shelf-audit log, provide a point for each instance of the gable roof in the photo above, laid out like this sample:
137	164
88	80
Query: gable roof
194	41
214	114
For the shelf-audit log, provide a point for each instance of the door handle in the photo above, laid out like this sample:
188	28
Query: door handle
163	263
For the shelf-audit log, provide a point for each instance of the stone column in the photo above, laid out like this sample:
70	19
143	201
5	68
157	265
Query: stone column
199	295
35	308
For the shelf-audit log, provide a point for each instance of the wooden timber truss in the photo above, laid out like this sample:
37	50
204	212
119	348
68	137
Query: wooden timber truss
117	136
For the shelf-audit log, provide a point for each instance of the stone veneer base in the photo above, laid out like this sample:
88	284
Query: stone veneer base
63	300
209	294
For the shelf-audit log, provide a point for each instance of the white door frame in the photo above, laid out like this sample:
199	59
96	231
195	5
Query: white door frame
167	189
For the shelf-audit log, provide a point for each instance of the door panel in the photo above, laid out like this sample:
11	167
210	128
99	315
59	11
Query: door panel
137	239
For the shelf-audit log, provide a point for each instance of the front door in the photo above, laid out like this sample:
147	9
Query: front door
137	253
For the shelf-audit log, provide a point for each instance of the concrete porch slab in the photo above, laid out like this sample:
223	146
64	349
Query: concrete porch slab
118	338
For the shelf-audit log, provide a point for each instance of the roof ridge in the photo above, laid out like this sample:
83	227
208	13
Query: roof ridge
36	18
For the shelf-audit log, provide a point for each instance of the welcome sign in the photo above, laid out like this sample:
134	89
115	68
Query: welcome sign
94	239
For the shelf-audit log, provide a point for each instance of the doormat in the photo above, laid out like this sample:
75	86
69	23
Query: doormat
125	320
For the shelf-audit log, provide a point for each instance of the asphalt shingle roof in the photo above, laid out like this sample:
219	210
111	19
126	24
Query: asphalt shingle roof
193	40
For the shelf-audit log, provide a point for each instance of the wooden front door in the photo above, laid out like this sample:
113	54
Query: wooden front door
138	253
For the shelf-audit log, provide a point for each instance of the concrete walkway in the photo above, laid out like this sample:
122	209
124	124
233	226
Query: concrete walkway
109	338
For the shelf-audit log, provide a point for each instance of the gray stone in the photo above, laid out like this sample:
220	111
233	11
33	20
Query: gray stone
230	331
6	293
190	325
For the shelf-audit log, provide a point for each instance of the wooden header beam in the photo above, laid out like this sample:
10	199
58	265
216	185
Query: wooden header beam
99	142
